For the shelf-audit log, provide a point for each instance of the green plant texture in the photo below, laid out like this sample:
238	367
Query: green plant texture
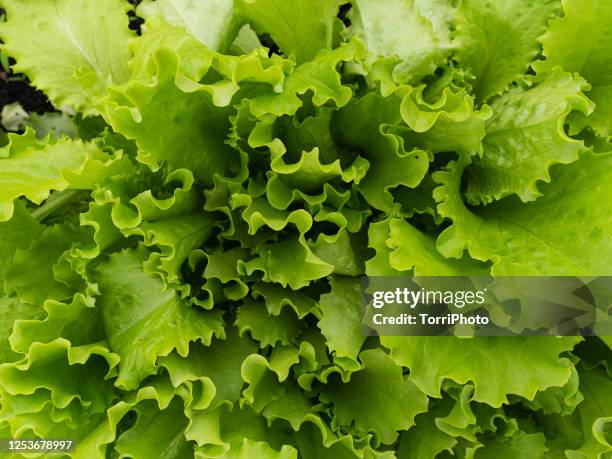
180	264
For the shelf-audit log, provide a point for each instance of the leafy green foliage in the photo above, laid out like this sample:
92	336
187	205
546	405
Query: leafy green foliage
583	23
73	54
180	270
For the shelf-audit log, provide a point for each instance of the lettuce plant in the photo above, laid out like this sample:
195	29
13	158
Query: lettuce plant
181	266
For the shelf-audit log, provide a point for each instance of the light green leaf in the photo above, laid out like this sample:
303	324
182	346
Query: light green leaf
366	125
235	434
246	41
224	266
441	14
259	213
176	125
562	400
497	366
344	251
289	263
212	22
341	317
498	41
32	273
527	446
78	322
143	321
269	330
263	386
68	381
299	27
277	297
449	123
33	168
19	232
246	448
414	250
379	264
519	239
525	137
309	173
157	433
595	414
87	52
385	30
220	363
316	441
425	440
580	42
12	311
283	358
58	124
319	76
293	406
175	237
135	407
377	399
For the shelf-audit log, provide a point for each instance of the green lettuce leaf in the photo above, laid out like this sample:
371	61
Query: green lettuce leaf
384	30
19	232
389	400
525	137
366	124
219	364
213	22
410	249
595	415
78	322
448	124
496	50
341	318
272	263
519	238
522	365
145	306
300	28
151	115
66	384
268	330
33	168
182	243
319	76
425	439
33	273
584	23
12	311
526	445
91	40
164	431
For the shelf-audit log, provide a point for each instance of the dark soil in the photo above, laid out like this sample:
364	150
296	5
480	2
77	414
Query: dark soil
343	14
135	21
17	89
